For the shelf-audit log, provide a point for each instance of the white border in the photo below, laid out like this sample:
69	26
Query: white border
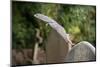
84	2
5	33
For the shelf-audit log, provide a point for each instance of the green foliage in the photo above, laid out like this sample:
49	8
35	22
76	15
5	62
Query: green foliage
78	20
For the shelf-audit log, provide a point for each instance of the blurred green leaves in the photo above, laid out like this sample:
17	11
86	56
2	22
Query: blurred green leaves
78	20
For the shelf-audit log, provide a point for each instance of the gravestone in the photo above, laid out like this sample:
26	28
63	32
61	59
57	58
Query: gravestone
58	43
82	51
56	48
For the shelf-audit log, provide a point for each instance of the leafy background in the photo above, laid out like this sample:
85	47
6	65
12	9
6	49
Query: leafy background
78	20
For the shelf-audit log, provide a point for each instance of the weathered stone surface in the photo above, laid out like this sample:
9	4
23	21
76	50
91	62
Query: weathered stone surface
56	48
82	51
58	43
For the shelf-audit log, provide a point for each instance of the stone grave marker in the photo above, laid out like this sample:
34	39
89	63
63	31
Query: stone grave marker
82	51
56	48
